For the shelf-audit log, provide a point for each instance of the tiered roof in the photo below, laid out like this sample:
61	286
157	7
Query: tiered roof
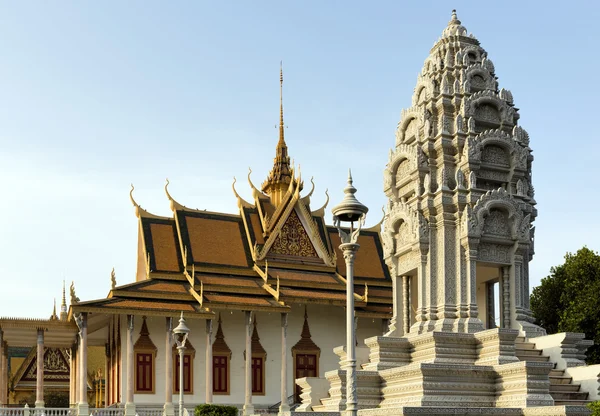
274	253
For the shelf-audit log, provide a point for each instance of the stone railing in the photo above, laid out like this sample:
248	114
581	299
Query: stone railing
156	411
107	411
566	349
313	390
37	411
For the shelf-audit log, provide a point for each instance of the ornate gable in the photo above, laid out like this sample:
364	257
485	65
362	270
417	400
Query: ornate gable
56	367
293	240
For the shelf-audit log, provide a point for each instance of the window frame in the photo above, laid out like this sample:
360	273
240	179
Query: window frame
227	358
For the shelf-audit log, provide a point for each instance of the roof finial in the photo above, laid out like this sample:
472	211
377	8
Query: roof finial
454	17
63	305
281	126
54	317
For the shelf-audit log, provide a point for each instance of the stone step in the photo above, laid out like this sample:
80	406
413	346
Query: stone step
527	353
571	402
566	385
525	345
536	358
569	396
557	373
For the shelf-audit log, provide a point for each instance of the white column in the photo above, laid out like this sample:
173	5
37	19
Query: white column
129	405
284	408
505	297
248	407
406	303
106	372
39	377
4	359
349	251
396	324
209	362
74	371
83	407
168	408
2	388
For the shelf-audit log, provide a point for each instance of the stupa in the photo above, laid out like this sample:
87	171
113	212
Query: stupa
458	239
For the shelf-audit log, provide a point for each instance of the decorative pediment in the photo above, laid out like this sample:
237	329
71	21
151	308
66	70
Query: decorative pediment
144	343
56	366
403	226
497	215
306	344
220	346
297	235
293	240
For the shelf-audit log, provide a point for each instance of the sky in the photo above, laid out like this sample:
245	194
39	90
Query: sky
95	96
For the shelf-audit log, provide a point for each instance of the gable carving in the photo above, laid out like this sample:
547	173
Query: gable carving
56	365
293	239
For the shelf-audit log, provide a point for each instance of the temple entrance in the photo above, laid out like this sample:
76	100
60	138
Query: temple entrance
488	294
305	365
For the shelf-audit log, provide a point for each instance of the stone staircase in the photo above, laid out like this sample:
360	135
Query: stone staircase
562	389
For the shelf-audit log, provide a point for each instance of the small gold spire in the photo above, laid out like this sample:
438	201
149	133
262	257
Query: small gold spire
280	175
281	126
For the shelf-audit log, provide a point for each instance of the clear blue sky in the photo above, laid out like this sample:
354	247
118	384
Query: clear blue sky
97	95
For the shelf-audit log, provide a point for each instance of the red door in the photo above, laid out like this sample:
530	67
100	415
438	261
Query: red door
305	366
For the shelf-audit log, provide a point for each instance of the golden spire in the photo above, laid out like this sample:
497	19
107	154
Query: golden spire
281	126
53	317
280	175
63	305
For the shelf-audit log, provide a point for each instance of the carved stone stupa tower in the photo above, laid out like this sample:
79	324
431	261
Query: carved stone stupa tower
461	201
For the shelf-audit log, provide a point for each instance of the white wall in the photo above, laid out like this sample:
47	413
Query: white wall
327	326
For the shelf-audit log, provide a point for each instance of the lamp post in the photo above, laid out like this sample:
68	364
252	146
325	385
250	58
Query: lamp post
181	333
349	211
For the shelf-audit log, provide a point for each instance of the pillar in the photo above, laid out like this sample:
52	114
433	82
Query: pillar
39	377
129	405
106	372
284	408
248	407
349	250
396	324
506	297
168	407
83	407
4	359
209	362
73	371
2	383
406	303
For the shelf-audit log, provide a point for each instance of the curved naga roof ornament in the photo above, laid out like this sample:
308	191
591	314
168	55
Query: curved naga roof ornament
321	211
139	211
241	201
306	199
256	193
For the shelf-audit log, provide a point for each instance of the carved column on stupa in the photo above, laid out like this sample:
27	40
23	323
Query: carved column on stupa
461	201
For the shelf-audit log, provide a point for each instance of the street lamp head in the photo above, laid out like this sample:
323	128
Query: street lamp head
349	209
181	332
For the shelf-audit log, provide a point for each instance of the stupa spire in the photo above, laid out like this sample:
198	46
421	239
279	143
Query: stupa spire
63	305
280	175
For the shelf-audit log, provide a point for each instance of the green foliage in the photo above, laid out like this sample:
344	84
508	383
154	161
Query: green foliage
568	301
56	399
215	410
595	408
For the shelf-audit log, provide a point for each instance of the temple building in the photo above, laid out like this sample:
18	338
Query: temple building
271	276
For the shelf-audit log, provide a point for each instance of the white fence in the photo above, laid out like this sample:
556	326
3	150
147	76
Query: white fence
39	411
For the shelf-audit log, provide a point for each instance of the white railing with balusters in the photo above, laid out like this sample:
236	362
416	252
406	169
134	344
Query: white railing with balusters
149	411
107	411
37	411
